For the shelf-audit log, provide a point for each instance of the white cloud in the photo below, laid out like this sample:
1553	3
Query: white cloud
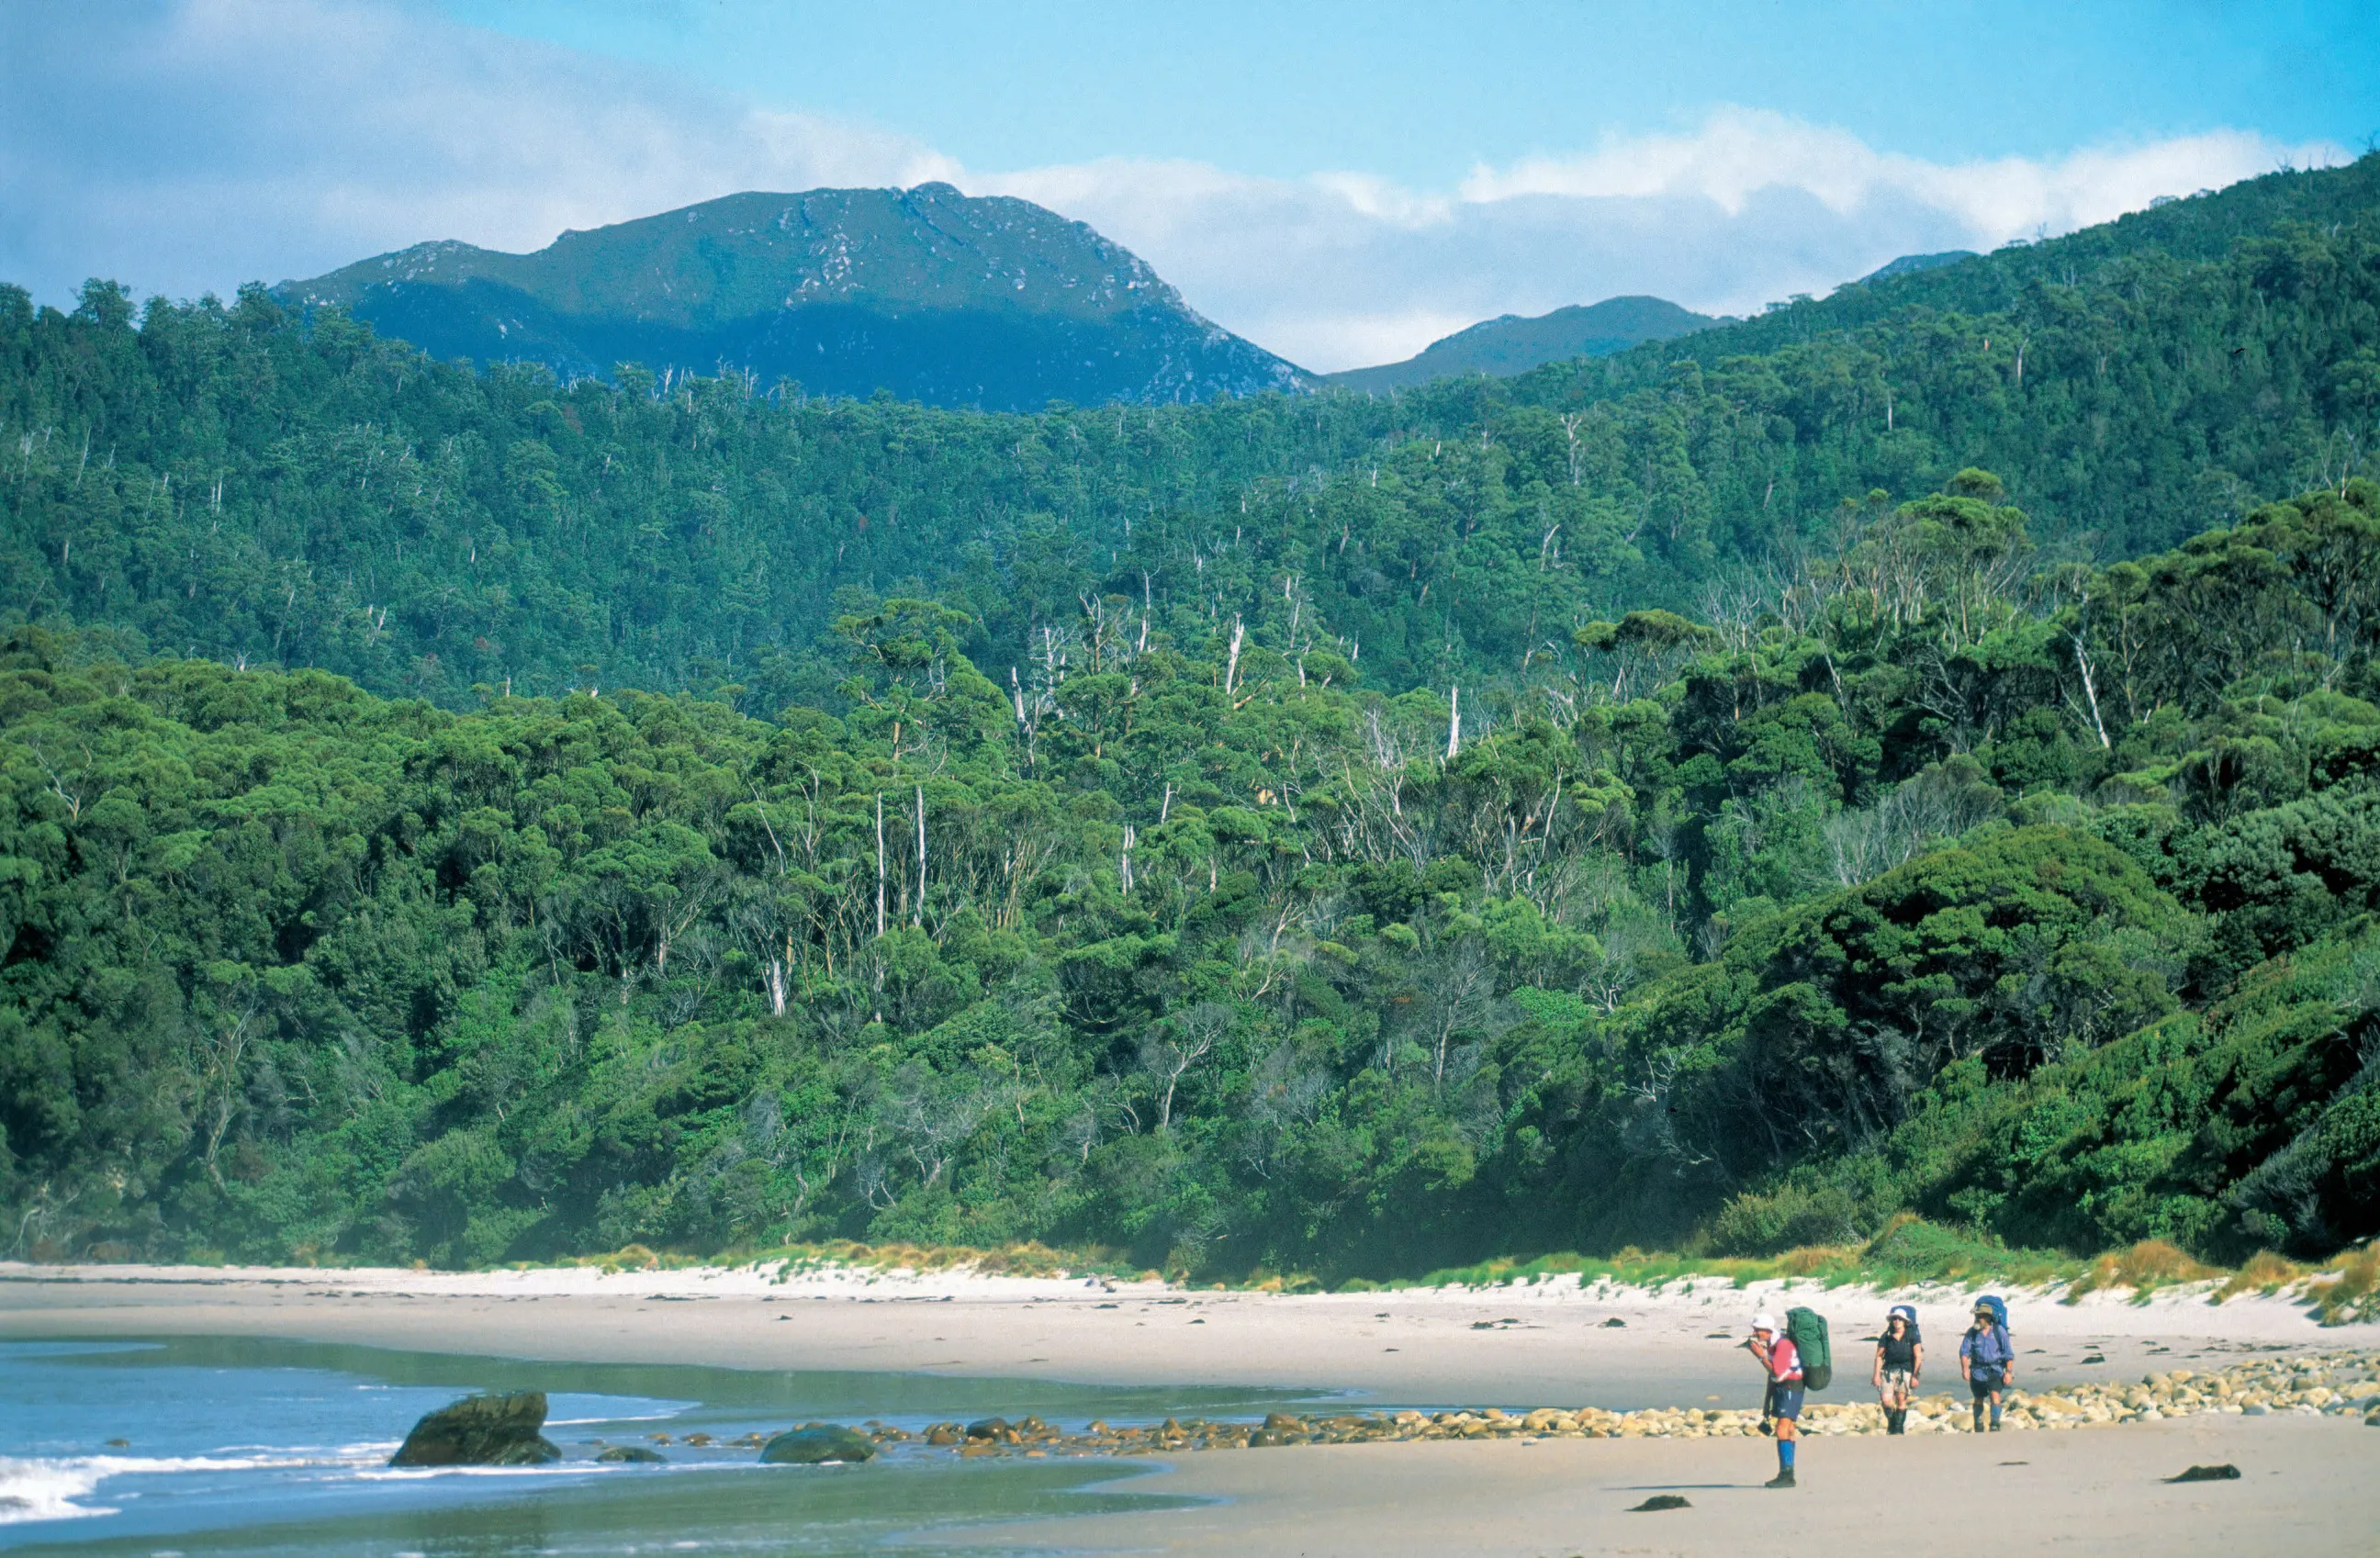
1739	152
1335	270
190	145
196	145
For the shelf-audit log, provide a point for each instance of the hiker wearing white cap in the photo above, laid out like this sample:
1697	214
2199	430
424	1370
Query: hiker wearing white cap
1780	1360
1899	1358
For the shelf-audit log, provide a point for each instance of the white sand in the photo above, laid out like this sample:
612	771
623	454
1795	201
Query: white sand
1410	1346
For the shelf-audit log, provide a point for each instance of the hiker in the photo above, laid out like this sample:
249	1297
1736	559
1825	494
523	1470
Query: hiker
1781	1361
1899	1358
1987	1360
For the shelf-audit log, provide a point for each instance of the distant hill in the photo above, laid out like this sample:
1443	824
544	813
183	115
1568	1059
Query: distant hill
927	293
1909	262
1511	343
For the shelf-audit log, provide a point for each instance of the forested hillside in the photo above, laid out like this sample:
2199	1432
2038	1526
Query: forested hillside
240	483
455	816
2032	897
1510	344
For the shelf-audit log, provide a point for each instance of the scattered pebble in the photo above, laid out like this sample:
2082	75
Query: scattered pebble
2339	1383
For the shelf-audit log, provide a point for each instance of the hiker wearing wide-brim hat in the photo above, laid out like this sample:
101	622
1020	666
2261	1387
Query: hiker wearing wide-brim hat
1781	1404
1988	1361
1900	1358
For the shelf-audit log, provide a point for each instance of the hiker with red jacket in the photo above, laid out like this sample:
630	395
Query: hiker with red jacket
1987	1360
1781	1361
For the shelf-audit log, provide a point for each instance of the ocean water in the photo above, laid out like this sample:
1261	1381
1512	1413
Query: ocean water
190	1446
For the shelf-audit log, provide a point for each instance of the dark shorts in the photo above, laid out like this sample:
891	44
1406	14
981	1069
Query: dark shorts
1982	1381
1785	1401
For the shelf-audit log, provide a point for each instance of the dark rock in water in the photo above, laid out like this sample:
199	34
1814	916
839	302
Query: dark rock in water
817	1444
988	1427
119	1443
481	1430
634	1453
2226	1472
1614	1323
1659	1500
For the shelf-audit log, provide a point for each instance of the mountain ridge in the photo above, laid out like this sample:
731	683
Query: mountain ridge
1513	344
929	292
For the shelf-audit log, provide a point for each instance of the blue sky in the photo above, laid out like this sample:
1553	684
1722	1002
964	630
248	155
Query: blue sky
1341	183
1421	93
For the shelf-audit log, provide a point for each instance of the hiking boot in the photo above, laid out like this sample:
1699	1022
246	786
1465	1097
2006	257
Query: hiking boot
1782	1480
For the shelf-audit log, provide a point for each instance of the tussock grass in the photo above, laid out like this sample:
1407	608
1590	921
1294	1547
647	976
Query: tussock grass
2145	1267
2349	1288
793	1260
1030	1259
2264	1273
1907	1251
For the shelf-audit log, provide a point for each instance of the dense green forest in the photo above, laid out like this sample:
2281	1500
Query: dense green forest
2032	898
1684	797
245	484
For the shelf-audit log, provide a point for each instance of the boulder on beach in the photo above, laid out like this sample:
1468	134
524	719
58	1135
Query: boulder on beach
819	1444
633	1455
481	1430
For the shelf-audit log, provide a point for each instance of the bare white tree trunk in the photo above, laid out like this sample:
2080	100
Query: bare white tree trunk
1454	729
2091	694
880	862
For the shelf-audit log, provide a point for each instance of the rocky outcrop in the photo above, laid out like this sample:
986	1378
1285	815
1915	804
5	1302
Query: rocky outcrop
481	1430
817	1444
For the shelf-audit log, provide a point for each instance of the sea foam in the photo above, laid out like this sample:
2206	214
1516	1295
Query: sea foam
51	1488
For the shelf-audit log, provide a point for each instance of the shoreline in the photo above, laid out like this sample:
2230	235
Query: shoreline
2305	1486
1516	1346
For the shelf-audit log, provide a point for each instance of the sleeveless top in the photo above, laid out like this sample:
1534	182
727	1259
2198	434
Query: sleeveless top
1900	1354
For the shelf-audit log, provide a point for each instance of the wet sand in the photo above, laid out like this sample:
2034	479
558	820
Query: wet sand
2308	1489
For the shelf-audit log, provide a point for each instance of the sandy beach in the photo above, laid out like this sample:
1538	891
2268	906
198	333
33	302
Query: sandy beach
1551	1343
2307	1485
2306	1489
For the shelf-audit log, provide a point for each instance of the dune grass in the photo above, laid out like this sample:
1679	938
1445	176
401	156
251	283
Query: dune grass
1908	1251
2349	1288
2264	1274
2145	1267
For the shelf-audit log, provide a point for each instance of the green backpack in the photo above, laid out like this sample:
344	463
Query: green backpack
1808	1329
